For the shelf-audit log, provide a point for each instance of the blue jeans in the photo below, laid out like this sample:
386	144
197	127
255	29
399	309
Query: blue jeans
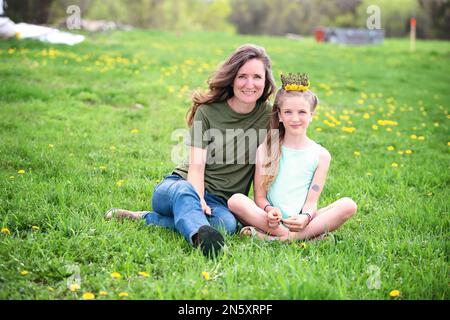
177	206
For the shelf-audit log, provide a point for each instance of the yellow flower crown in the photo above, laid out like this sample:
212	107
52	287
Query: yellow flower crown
295	82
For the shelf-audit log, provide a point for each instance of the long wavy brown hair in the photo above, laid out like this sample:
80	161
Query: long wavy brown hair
275	135
221	82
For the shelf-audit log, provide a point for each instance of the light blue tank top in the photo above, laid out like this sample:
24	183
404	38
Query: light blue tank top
295	172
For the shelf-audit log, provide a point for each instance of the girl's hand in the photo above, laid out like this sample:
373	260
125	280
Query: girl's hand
274	215
296	222
205	207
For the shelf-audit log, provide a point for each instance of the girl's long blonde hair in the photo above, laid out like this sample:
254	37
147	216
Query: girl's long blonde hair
221	82
275	135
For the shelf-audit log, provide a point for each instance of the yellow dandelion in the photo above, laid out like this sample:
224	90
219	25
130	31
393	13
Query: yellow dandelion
374	127
390	148
50	145
389	129
115	275
119	183
302	245
421	138
135	131
74	287
35	227
436	124
21	171
143	274
448	143
366	116
318	129
394	293
348	129
400	152
88	296
123	294
357	153
329	123
413	136
408	151
5	231
394	164
103	293
205	275
360	101
24	272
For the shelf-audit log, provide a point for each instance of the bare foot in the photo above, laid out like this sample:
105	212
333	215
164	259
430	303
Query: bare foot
124	214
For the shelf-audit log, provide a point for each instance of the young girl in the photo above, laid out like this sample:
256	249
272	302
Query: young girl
192	200
290	174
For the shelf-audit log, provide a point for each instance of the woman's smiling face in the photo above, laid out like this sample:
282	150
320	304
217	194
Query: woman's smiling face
248	85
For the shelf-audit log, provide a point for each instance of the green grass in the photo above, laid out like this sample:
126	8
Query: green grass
82	101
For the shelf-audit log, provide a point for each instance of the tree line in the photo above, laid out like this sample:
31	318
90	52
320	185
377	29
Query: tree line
271	17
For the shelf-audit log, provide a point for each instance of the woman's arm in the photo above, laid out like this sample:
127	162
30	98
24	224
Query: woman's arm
317	183
196	174
260	194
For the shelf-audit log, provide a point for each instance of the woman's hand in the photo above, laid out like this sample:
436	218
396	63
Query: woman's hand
274	215
296	223
206	209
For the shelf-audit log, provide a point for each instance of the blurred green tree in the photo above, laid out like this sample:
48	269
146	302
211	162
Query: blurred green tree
30	11
438	17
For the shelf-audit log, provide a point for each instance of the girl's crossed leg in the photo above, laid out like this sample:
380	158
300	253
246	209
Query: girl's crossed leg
250	214
325	220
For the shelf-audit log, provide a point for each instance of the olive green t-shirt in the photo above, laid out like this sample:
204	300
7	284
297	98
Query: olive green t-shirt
231	140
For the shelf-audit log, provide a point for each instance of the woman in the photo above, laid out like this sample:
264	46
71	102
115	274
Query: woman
193	199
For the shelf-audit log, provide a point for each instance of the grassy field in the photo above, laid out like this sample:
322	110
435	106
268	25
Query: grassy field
89	127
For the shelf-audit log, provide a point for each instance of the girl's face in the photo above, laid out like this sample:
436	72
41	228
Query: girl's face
248	85
295	114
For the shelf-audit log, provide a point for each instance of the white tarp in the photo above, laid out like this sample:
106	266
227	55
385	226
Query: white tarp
46	34
9	29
